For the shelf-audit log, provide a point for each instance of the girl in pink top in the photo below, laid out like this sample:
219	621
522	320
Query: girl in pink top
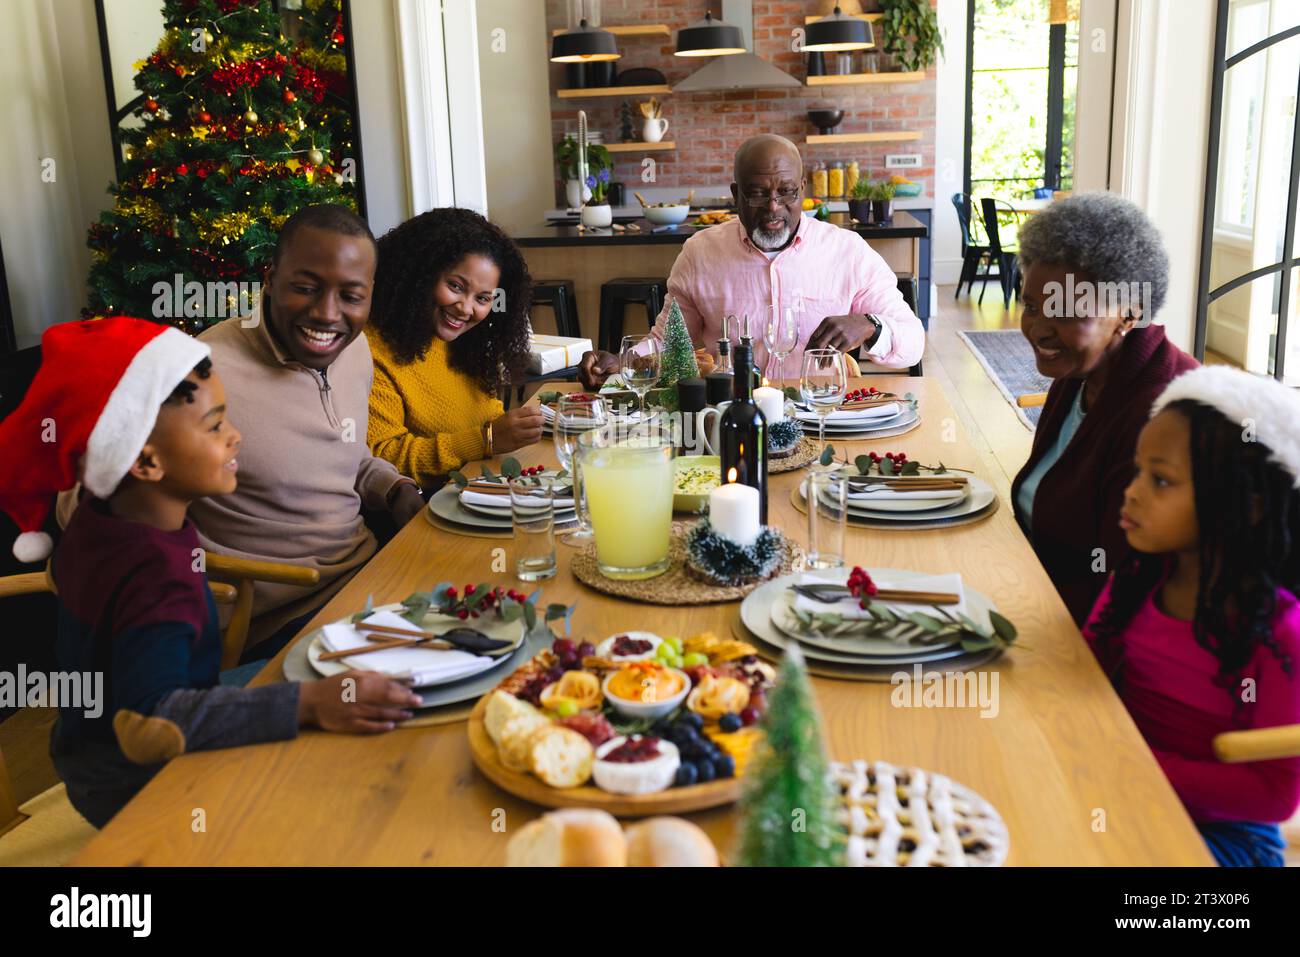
1200	627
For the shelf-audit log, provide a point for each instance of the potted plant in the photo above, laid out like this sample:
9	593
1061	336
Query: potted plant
566	157
860	201
910	30
596	211
881	194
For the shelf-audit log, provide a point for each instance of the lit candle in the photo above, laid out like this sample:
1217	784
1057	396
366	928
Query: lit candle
733	511
771	402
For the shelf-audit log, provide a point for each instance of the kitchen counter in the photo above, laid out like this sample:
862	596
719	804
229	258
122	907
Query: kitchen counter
903	226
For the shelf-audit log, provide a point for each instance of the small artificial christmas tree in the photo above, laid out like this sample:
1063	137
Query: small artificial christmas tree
678	360
788	809
233	141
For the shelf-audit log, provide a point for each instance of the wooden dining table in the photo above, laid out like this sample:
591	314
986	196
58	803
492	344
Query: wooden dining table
1061	760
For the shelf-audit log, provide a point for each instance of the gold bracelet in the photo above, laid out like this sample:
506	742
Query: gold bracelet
487	440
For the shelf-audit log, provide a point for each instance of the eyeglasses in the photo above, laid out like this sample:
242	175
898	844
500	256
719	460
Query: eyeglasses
786	196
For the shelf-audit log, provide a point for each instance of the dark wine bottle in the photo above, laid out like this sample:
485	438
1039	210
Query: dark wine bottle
742	433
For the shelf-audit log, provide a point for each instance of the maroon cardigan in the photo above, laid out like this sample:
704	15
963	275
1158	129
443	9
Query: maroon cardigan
1076	507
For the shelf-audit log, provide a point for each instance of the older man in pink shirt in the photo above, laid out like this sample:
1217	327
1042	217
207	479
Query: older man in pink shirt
842	292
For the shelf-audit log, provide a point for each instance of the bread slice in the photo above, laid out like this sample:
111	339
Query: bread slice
516	734
669	842
501	707
573	837
561	757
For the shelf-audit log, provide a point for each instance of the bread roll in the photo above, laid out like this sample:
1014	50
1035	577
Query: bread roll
560	757
669	842
573	837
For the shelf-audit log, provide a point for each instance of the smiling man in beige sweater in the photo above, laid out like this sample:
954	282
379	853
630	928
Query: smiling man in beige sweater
298	375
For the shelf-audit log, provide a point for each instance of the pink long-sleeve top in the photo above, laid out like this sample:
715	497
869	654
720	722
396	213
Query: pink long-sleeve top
825	271
1168	688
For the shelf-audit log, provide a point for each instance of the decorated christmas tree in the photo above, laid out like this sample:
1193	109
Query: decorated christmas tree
319	42
788	809
678	359
234	138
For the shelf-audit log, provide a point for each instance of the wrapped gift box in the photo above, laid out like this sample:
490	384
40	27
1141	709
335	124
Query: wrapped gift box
552	353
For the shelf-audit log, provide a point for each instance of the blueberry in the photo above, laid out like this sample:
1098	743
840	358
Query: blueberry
730	722
687	774
705	771
691	720
724	766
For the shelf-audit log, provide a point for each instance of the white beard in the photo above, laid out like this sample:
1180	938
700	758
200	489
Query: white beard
769	241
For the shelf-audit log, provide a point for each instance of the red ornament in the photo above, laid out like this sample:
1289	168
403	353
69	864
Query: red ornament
289	96
183	169
205	117
201	173
151	105
338	38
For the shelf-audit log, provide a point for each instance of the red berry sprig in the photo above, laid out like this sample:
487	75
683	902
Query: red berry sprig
858	395
458	606
861	586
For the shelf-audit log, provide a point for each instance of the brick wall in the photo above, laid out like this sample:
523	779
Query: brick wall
708	127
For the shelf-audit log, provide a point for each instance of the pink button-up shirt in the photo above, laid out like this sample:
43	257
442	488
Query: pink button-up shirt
826	271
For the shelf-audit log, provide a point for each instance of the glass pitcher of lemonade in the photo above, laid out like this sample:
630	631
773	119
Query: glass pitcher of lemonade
629	480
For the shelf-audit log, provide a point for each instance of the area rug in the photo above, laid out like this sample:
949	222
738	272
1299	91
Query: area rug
1009	361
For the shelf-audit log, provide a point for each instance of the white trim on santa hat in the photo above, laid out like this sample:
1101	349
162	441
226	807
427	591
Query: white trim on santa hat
1246	399
129	415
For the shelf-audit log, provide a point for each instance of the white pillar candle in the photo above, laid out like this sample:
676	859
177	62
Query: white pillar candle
771	402
733	512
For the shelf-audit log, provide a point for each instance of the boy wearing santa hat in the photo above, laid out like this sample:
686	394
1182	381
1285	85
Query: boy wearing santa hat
134	411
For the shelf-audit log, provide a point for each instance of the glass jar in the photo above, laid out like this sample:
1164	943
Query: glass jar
851	176
819	180
835	180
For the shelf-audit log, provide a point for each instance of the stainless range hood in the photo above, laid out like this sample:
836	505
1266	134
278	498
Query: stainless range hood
739	71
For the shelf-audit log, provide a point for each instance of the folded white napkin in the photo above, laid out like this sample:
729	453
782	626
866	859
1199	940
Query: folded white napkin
850	416
893	493
848	606
424	666
503	501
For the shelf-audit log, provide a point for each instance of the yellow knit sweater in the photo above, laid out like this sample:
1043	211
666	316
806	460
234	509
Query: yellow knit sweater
426	417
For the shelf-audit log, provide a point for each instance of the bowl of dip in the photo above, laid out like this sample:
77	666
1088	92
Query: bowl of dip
694	477
646	689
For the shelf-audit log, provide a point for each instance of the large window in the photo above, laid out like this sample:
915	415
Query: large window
1023	72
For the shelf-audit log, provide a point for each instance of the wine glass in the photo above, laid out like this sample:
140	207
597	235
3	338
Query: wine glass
823	384
780	335
640	356
575	416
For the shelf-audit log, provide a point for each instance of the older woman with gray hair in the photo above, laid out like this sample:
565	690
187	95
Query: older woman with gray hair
1095	275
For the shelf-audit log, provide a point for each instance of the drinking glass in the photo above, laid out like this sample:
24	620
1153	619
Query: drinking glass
640	356
629	485
575	415
823	384
780	335
532	513
827	494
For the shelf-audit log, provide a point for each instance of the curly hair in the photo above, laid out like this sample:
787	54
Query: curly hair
1248	512
1103	236
414	256
185	389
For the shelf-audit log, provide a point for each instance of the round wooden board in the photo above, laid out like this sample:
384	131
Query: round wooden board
697	797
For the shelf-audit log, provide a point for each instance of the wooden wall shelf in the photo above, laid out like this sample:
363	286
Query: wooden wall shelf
639	30
846	79
901	136
639	147
612	91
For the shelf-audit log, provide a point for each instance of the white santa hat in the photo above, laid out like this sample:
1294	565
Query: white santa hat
1270	409
87	415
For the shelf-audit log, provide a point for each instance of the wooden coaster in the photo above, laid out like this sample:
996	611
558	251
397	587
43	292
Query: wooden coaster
859	522
804	453
676	586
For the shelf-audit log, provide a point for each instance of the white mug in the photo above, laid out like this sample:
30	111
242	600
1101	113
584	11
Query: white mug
709	435
654	129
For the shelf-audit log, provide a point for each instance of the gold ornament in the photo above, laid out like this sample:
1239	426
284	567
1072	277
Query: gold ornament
315	157
250	117
208	38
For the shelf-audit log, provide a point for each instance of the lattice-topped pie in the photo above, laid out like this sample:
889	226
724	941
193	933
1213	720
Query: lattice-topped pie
908	817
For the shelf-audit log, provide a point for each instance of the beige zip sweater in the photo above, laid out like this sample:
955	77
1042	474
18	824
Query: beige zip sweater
304	467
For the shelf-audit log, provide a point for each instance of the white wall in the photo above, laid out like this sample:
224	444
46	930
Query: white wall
949	142
1092	116
516	112
53	107
383	141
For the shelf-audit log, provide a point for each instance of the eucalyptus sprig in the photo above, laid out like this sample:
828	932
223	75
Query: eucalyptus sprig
510	469
476	600
915	627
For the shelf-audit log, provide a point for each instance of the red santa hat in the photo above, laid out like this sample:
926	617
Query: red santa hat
87	415
1246	399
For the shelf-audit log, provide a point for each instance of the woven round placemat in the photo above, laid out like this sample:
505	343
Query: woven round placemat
677	586
801	506
804	453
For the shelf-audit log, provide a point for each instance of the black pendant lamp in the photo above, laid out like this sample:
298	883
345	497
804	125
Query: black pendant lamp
837	33
583	44
710	37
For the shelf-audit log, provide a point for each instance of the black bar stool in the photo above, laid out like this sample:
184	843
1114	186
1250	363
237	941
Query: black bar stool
614	297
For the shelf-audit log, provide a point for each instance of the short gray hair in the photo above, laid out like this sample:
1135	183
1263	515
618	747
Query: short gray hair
1100	235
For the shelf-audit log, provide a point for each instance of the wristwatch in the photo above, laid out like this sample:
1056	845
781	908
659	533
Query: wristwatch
875	336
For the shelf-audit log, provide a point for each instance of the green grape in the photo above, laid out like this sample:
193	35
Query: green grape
696	658
566	707
675	642
664	651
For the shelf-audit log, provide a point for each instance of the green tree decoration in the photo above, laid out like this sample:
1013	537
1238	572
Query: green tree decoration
234	136
678	360
788	808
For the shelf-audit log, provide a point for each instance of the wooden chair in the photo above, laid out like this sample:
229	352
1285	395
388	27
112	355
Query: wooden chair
1263	744
1031	400
47	829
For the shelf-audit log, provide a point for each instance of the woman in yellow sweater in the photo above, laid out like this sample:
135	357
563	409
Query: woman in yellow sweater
448	328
